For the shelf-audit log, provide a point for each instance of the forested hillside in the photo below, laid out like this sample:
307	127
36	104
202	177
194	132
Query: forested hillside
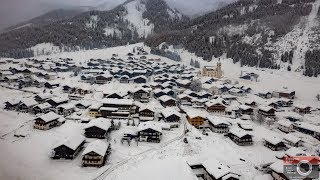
261	33
130	22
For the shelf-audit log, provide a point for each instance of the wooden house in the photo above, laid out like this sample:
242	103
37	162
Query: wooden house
84	89
267	111
240	137
265	95
149	132
236	92
292	140
98	128
51	84
124	79
170	115
277	171
47	121
56	101
218	124
142	95
11	78
204	95
195	118
184	83
117	108
94	110
250	103
244	109
68	89
11	104
184	99
211	169
307	128
216	106
96	154
198	103
103	79
115	94
83	104
66	109
302	109
41	98
26	105
68	148
274	143
146	113
284	94
41	108
167	101
158	93
285	125
169	92
140	79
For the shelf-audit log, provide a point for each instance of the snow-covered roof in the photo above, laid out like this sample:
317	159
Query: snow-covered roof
272	139
72	142
308	126
45	96
291	138
277	166
150	125
101	123
44	106
117	101
50	116
215	120
84	103
285	123
294	151
170	111
301	106
266	108
244	107
147	106
97	146
59	99
238	132
66	106
119	93
214	102
96	105
165	98
216	168
29	102
194	114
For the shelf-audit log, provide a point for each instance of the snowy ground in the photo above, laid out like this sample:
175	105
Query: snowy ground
28	158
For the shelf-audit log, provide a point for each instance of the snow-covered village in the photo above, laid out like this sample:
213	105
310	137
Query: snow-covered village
159	89
123	113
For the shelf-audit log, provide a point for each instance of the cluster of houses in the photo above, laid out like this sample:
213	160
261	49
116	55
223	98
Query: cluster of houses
171	86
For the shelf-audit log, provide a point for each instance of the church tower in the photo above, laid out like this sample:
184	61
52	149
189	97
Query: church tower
218	73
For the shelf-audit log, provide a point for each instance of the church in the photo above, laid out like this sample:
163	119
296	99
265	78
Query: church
212	71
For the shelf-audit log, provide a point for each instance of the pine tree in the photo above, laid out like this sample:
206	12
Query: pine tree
191	62
289	68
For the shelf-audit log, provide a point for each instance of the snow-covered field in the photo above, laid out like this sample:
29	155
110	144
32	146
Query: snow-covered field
28	158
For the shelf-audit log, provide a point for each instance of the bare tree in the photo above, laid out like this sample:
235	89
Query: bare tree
260	118
196	85
318	97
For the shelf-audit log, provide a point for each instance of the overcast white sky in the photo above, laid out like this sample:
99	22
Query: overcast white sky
15	11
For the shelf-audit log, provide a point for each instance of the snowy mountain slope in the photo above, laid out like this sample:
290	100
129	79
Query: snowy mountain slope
129	22
258	33
134	16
